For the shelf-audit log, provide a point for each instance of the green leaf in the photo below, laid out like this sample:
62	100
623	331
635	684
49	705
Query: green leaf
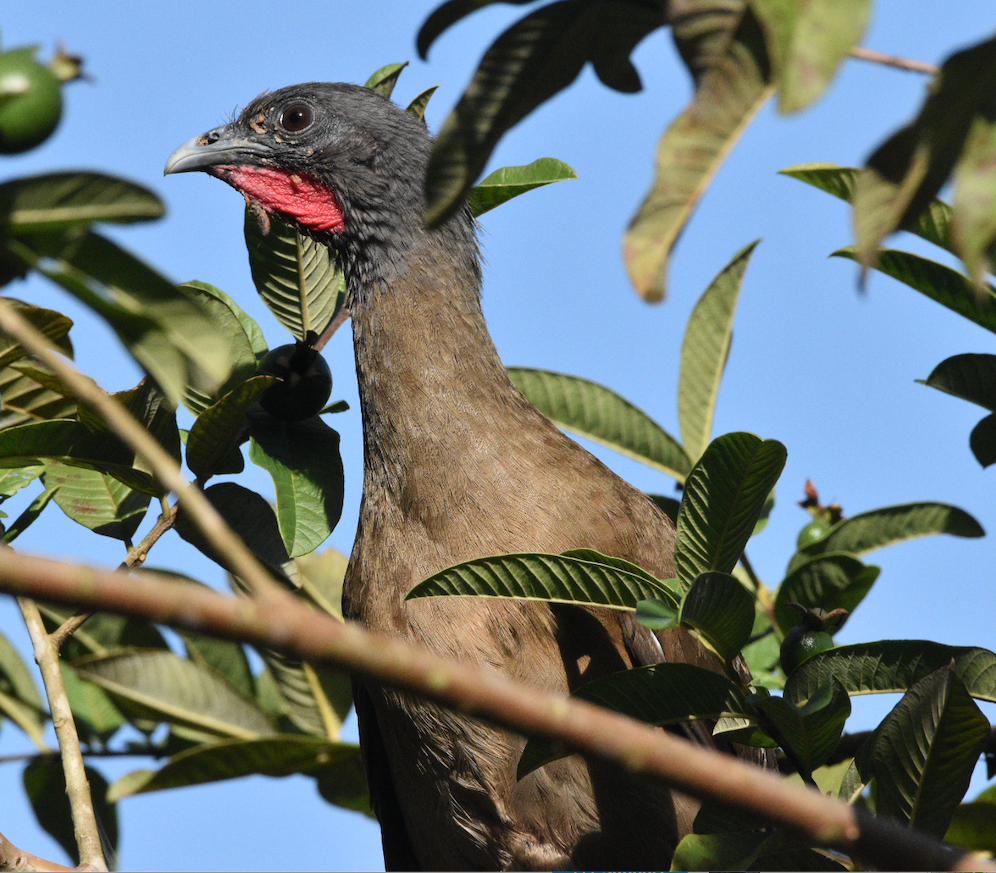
45	785
721	609
322	574
241	337
508	182
664	694
97	501
316	699
807	43
165	687
555	578
20	700
303	459
215	431
418	104
973	825
295	276
250	516
969	376
974	228
384	80
729	851
96	716
228	659
54	201
27	517
12	481
724	496
446	15
656	614
835	580
599	414
281	755
704	350
933	224
905	173
893	666
878	528
69	442
53	325
24	399
530	62
627	567
925	750
982	441
344	784
660	694
938	282
728	94
103	632
762	654
166	332
809	732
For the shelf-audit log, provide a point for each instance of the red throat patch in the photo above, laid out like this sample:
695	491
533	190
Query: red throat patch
300	197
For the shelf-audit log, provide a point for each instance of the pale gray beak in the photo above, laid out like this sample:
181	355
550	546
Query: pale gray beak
216	148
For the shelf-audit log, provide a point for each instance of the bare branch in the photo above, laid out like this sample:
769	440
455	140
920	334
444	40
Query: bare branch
15	859
278	620
77	785
867	54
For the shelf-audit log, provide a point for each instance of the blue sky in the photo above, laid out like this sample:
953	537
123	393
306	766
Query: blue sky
826	369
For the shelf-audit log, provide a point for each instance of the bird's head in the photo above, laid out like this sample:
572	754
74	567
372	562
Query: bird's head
342	163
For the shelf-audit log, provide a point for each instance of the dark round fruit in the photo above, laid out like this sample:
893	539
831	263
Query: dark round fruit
30	101
812	532
306	385
800	644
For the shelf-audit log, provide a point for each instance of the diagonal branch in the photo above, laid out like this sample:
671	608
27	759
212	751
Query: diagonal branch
277	620
13	858
77	785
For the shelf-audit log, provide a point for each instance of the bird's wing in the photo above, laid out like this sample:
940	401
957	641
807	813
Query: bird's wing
399	853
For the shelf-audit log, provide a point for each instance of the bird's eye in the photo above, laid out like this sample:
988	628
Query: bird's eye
296	117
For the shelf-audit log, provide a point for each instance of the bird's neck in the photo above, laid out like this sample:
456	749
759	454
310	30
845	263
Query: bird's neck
431	383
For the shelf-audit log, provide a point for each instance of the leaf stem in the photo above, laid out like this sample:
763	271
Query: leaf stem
302	289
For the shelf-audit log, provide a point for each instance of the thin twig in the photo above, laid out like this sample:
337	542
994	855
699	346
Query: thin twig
137	555
341	317
867	54
77	785
280	621
65	630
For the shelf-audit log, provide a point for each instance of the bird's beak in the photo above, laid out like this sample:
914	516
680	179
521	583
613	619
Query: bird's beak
216	148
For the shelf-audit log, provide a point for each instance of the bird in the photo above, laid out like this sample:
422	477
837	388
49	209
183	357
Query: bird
457	465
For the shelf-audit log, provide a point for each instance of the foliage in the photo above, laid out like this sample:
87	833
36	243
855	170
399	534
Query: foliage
204	713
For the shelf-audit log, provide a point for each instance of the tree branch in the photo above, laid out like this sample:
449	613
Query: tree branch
77	785
13	858
867	54
277	620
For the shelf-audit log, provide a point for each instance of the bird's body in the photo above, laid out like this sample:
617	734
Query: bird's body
457	465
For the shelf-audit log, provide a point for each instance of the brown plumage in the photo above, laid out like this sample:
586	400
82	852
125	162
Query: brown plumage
457	465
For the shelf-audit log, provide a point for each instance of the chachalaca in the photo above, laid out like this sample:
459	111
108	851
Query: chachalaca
457	465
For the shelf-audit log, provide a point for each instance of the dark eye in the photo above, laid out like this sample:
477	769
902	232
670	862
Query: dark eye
296	117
